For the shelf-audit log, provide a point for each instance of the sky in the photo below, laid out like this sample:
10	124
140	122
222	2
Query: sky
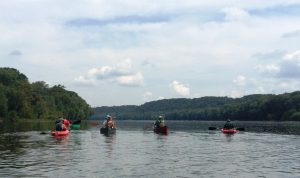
114	52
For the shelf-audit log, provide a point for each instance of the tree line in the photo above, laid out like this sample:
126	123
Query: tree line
264	107
20	99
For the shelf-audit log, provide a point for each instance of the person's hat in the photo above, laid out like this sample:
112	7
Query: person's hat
108	116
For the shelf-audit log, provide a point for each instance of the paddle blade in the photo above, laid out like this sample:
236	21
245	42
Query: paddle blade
240	129
76	121
43	133
212	128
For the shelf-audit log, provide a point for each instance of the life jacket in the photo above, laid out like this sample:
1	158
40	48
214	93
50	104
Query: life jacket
58	127
66	122
228	125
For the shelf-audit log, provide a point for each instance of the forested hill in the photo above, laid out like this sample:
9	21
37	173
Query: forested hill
283	107
20	99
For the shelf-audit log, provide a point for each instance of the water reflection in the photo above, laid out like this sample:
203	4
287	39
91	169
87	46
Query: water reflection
76	139
61	139
109	141
212	131
229	137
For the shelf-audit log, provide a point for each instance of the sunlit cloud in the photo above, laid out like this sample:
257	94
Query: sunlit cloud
180	89
131	80
293	56
122	74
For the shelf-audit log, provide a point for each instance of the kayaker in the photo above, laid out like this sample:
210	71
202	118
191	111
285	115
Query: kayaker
160	122
109	122
60	119
228	125
60	126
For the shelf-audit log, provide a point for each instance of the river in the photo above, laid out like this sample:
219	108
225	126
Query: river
264	149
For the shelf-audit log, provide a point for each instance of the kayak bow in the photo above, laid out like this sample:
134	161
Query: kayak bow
229	131
161	130
60	133
107	131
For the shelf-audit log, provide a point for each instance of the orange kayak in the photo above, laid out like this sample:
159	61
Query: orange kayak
161	130
229	131
60	133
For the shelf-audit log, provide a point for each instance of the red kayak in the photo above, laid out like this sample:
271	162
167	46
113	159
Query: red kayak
161	130
60	133
229	131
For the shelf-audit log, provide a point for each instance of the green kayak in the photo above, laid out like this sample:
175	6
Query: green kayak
75	126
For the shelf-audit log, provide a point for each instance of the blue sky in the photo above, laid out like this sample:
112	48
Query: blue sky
130	52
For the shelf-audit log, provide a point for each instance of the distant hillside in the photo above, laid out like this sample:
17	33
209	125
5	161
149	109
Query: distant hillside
283	107
20	99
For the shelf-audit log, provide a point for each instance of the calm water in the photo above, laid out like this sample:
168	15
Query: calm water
263	150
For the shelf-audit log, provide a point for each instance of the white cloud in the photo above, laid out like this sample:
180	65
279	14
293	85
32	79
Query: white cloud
260	90
81	80
235	13
121	69
147	95
240	80
269	69
160	98
130	80
122	74
294	56
236	94
180	88
290	66
288	85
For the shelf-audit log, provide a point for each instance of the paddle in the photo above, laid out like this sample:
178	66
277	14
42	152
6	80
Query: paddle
76	121
215	128
46	132
240	129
